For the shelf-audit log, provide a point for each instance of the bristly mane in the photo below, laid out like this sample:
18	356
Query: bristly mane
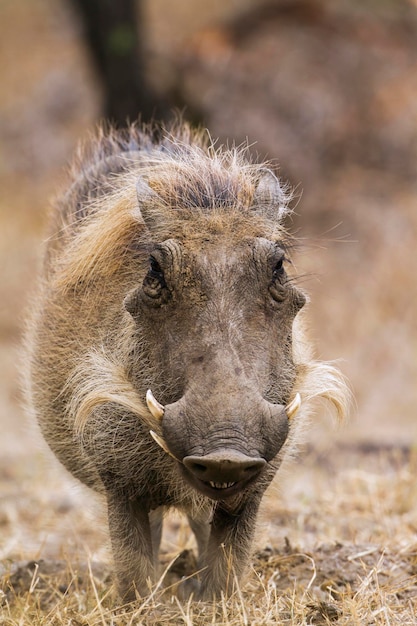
190	177
182	164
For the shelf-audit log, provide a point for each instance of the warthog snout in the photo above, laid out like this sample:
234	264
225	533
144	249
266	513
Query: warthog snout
219	445
223	471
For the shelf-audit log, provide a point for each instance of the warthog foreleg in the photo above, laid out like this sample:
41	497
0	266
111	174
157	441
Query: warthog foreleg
132	539
228	548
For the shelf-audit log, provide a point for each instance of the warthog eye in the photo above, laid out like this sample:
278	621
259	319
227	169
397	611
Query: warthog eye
154	285
155	268
277	286
279	268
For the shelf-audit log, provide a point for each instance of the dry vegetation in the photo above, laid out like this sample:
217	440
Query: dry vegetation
337	547
338	541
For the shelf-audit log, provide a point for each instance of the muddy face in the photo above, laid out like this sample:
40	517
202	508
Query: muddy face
215	320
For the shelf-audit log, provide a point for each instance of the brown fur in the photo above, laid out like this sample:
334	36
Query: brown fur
93	351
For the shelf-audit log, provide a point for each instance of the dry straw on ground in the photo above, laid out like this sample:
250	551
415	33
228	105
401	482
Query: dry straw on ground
344	551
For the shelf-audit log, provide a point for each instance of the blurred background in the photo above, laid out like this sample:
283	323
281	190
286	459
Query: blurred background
326	89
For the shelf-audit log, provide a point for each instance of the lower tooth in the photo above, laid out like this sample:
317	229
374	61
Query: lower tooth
221	485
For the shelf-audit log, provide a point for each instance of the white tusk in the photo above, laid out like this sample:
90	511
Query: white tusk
161	442
292	408
155	408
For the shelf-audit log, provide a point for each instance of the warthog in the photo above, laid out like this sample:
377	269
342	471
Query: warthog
166	270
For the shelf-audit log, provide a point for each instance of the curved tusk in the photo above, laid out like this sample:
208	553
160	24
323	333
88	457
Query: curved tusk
154	406
292	408
161	443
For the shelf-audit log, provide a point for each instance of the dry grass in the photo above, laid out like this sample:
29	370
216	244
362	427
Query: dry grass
343	551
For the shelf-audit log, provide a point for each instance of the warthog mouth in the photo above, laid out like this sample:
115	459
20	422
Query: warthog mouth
217	491
220	489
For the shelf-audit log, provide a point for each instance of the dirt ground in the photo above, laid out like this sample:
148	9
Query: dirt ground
327	89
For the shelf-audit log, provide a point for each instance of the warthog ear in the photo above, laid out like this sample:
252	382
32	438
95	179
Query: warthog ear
271	197
149	204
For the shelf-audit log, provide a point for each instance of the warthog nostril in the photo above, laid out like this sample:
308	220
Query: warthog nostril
224	467
197	468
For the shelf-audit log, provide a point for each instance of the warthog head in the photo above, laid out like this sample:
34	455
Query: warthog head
215	317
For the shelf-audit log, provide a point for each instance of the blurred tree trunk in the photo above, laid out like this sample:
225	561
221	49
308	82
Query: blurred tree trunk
114	34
